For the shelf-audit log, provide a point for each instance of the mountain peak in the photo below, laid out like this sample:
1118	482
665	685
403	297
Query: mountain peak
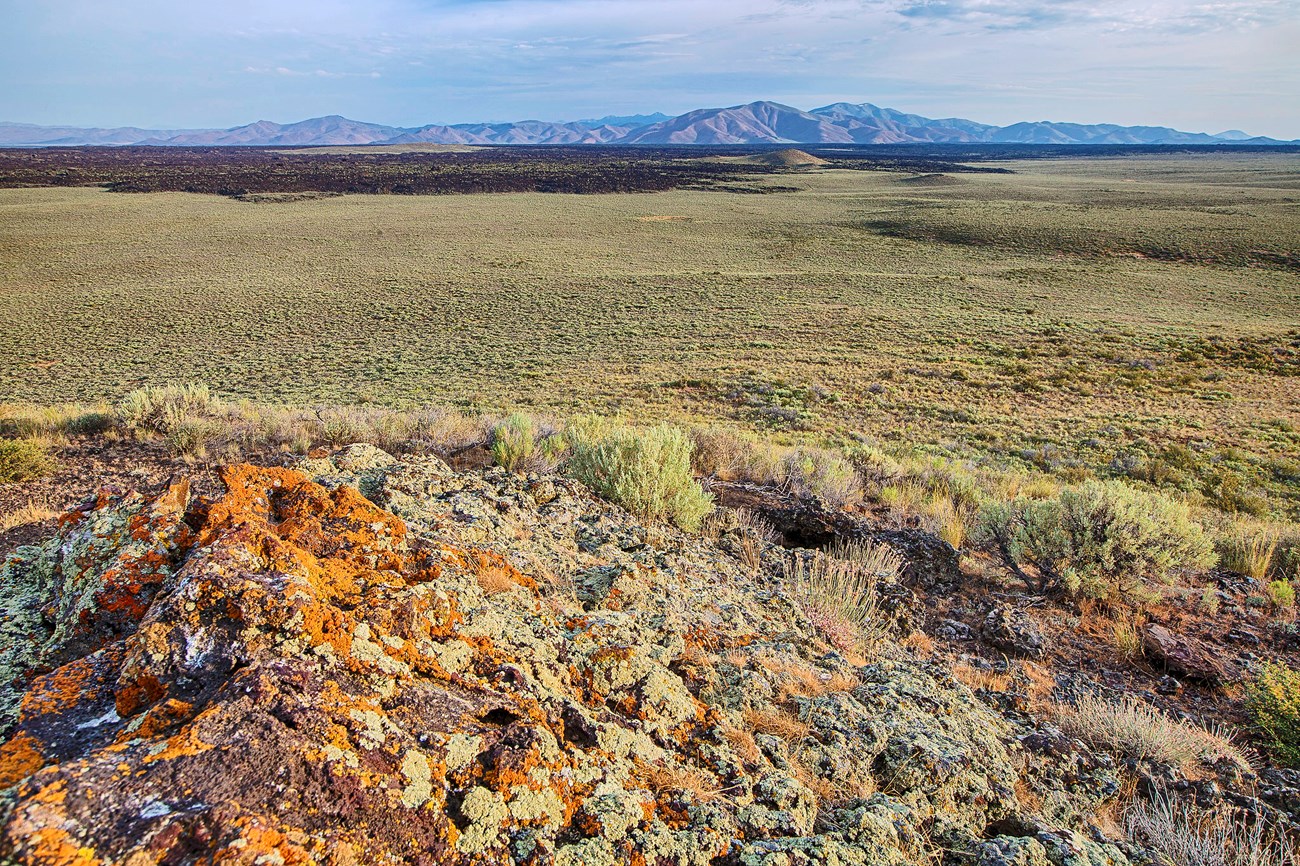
762	121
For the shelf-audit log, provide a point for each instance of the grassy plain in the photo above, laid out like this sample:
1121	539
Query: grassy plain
1083	315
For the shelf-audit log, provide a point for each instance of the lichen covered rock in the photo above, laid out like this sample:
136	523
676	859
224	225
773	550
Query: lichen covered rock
373	660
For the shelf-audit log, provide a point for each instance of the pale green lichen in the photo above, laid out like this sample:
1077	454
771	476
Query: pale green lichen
541	806
485	810
461	749
419	779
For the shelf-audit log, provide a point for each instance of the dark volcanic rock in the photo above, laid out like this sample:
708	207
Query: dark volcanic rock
1011	630
1186	656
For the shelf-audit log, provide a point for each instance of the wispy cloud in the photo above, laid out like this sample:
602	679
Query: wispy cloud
313	73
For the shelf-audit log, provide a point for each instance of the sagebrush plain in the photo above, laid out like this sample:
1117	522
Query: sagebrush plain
1133	315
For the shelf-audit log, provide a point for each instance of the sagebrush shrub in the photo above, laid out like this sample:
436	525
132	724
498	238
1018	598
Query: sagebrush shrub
1273	701
23	460
1100	540
647	471
1189	836
1135	730
513	441
164	408
823	474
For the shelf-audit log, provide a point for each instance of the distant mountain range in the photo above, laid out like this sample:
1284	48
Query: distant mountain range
756	123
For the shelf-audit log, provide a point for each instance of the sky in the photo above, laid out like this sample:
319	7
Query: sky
1197	66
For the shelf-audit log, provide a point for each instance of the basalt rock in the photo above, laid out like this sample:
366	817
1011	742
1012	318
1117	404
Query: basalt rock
1186	656
473	668
1012	630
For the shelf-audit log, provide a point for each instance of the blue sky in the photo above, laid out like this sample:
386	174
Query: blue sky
1202	66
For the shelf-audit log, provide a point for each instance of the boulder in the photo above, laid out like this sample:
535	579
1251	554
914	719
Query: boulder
1011	630
1185	656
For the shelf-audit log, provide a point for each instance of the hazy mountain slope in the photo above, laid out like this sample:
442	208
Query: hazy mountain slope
742	124
761	122
20	134
318	130
629	120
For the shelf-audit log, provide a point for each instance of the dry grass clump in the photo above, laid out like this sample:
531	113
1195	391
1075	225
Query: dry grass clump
1137	731
797	679
32	512
1249	548
722	453
831	788
778	723
194	422
822	474
25	420
24	460
950	521
1039	682
743	744
837	591
1190	836
662	779
920	643
757	534
976	679
1126	636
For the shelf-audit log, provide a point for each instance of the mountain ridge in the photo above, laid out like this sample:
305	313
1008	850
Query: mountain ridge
760	122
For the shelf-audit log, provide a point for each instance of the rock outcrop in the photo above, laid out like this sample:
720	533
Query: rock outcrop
367	660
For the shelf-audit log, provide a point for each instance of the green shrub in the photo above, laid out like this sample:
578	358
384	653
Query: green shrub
1101	540
163	408
1273	701
647	471
23	460
192	436
823	474
1282	595
513	441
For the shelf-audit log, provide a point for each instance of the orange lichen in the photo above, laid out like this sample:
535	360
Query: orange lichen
162	716
53	846
19	758
185	743
260	844
74	683
612	653
131	697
